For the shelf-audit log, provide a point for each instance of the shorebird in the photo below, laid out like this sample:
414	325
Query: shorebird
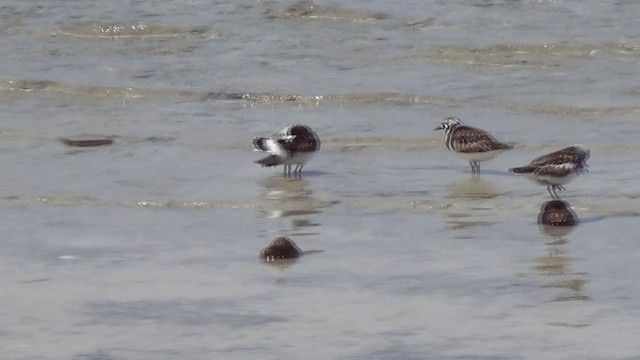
472	144
557	168
294	145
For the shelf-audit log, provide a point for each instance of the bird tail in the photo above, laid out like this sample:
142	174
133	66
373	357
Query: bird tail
521	170
268	161
509	145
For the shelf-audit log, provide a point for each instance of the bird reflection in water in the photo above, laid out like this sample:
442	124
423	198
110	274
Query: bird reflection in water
290	200
556	220
470	203
473	188
284	198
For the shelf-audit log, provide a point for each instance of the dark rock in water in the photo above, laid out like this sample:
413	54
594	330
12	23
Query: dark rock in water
87	140
279	249
557	213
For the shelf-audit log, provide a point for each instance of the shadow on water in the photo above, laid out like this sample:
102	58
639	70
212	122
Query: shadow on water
556	220
312	173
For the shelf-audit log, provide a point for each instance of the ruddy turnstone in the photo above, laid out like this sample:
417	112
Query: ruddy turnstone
294	145
557	168
472	144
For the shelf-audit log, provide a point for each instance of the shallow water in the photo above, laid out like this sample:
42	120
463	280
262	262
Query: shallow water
148	248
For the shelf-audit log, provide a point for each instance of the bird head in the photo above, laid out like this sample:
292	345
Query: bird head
449	123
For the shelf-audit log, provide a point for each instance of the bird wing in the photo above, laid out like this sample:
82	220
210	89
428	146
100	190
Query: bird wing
560	157
295	143
269	160
555	170
470	139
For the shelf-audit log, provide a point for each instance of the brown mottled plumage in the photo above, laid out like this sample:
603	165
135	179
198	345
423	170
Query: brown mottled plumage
473	144
294	145
557	168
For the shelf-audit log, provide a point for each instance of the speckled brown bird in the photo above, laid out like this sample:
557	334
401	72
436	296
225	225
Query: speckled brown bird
472	144
557	168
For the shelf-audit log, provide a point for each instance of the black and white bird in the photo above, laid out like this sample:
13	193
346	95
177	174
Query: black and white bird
557	168
294	145
472	144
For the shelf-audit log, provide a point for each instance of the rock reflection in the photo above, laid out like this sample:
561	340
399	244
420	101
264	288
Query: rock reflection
556	220
472	211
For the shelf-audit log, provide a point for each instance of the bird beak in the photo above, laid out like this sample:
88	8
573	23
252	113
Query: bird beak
439	128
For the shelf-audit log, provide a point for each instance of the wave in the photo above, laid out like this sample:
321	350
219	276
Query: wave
274	99
309	9
542	108
526	54
118	92
623	205
131	31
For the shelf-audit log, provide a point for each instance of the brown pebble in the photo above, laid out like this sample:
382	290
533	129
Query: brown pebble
557	213
280	248
87	140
